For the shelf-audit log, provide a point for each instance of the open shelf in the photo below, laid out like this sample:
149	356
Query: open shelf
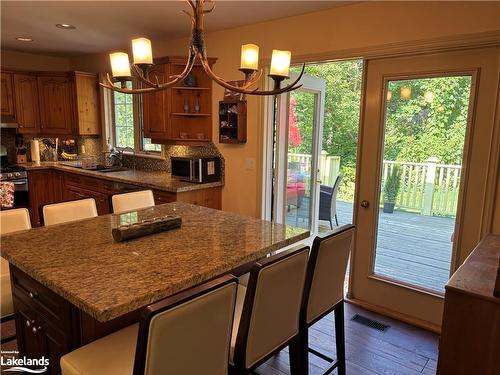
191	114
190	88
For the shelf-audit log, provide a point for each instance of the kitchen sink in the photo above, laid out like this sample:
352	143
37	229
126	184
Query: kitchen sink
99	168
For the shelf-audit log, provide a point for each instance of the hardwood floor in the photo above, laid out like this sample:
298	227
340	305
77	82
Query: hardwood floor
401	350
405	251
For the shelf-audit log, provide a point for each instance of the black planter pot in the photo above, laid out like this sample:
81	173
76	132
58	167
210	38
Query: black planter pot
389	208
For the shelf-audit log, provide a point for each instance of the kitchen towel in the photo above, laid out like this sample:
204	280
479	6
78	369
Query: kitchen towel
7	189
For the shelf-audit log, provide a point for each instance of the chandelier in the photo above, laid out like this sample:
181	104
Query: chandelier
123	71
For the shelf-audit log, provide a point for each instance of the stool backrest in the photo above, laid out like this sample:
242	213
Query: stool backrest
13	221
132	201
270	315
188	333
64	212
324	286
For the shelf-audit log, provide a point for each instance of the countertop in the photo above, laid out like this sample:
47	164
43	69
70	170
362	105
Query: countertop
81	262
477	275
150	179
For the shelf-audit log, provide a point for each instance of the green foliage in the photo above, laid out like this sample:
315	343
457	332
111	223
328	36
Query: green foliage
416	128
392	184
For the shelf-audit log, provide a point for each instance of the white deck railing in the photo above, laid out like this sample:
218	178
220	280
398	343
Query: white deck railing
430	188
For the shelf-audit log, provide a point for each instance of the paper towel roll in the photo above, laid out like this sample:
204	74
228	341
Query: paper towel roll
35	151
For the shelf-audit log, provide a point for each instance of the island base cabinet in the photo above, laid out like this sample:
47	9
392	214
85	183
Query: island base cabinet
36	338
49	326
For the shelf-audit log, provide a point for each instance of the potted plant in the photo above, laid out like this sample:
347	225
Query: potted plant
391	188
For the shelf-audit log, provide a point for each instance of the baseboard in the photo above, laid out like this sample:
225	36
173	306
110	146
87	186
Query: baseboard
396	315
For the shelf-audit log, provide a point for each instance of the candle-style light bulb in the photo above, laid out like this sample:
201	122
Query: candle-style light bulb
249	57
142	52
120	66
280	63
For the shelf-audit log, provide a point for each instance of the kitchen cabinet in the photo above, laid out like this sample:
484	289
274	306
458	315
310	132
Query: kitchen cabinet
155	107
41	320
86	97
52	103
52	186
45	187
56	105
7	110
181	114
27	107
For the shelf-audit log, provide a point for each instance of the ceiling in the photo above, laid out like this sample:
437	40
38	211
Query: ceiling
102	26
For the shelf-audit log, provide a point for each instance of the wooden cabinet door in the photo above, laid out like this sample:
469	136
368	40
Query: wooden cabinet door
87	103
7	96
155	107
27	107
211	197
45	187
101	200
56	106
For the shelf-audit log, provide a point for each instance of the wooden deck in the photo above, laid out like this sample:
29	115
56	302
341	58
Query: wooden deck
412	248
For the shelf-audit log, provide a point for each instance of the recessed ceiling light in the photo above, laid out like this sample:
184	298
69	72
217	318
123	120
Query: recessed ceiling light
65	26
24	39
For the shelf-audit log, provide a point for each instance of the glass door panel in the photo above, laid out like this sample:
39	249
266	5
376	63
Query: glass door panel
301	120
424	134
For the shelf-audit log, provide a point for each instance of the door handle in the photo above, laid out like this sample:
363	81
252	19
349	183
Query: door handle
365	204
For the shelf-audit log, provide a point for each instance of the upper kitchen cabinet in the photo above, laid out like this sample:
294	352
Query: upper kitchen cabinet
181	114
56	105
52	103
26	99
7	100
155	107
87	104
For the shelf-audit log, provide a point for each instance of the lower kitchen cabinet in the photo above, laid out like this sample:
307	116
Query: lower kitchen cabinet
45	187
51	186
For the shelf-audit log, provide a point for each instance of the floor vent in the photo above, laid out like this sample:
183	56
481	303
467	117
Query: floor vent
369	322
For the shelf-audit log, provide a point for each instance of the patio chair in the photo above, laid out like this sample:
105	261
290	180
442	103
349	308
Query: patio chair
328	201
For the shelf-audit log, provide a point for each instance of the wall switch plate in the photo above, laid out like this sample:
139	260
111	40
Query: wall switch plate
250	164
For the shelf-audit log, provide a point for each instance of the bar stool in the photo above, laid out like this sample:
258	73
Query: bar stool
132	201
324	293
267	311
64	212
188	333
10	221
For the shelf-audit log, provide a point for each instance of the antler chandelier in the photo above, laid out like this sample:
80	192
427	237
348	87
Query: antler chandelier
143	62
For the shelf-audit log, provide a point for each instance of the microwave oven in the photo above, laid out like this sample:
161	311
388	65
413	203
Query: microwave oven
199	170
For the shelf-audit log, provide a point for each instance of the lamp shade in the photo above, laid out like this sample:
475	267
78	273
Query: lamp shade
280	63
120	66
249	57
141	49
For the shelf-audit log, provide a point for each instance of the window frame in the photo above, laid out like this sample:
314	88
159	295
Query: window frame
138	126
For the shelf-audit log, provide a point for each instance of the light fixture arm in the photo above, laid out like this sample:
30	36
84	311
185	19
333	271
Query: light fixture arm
197	49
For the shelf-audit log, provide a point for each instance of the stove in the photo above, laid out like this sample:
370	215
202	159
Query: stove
12	172
16	175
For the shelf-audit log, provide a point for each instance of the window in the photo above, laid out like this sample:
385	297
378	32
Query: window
128	129
123	105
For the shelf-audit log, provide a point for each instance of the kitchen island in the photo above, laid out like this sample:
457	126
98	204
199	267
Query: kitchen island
73	284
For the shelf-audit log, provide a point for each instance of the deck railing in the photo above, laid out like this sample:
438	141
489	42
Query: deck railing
429	188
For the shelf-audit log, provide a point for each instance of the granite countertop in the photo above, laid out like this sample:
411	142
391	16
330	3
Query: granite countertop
150	179
80	262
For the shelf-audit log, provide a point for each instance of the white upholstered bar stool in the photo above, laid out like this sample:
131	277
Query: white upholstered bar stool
324	292
267	311
10	221
64	212
134	200
188	333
